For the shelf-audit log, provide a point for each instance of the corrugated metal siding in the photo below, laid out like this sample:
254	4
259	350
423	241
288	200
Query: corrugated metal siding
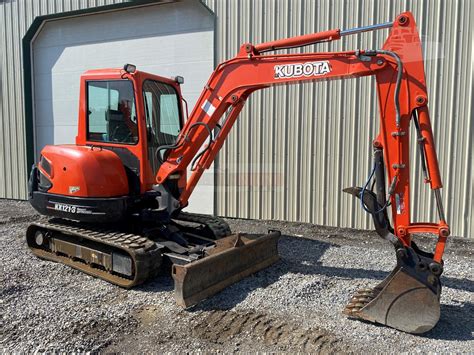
16	16
295	147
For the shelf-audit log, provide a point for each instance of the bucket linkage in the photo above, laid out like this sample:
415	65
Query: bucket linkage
408	298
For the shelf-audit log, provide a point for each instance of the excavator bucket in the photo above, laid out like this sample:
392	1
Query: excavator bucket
232	259
408	298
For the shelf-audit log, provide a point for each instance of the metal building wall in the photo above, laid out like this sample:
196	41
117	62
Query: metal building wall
295	147
16	16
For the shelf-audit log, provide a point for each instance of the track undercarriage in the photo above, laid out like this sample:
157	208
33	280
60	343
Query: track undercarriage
191	244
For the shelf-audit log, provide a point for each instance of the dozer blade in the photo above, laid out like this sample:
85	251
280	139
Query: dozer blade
407	299
232	259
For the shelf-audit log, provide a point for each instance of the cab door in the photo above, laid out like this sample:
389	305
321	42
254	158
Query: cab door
163	119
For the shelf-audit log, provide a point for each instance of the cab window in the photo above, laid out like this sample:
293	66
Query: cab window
161	102
111	115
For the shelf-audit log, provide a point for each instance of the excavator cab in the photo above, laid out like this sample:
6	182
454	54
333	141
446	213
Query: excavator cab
126	120
132	113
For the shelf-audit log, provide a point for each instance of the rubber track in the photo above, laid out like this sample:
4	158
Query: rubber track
145	254
217	225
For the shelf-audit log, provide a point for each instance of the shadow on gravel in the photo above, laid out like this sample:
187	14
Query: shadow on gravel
458	284
290	250
295	250
298	256
301	256
160	283
456	323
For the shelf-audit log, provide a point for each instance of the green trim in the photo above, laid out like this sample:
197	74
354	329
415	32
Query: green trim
27	69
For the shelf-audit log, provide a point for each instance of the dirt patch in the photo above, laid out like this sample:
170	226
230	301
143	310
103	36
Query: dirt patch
147	315
221	326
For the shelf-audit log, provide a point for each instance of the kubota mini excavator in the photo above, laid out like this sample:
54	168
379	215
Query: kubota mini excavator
116	196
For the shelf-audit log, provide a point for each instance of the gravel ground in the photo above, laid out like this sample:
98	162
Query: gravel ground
294	305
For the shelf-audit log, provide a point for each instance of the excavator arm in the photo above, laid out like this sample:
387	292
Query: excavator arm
402	95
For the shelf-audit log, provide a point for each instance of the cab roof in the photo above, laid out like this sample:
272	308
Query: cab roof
115	73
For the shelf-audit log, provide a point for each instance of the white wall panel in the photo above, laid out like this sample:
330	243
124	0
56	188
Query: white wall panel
168	40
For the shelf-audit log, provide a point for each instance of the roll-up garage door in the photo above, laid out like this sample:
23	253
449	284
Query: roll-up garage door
167	39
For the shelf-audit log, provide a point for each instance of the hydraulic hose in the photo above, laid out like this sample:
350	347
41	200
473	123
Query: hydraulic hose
175	146
398	82
396	98
387	203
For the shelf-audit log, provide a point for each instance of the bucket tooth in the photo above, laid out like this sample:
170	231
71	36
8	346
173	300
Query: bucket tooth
232	259
407	299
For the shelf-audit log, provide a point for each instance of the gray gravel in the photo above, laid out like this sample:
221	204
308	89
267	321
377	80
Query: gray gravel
50	307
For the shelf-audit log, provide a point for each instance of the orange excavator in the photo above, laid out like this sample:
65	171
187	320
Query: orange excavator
116	197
